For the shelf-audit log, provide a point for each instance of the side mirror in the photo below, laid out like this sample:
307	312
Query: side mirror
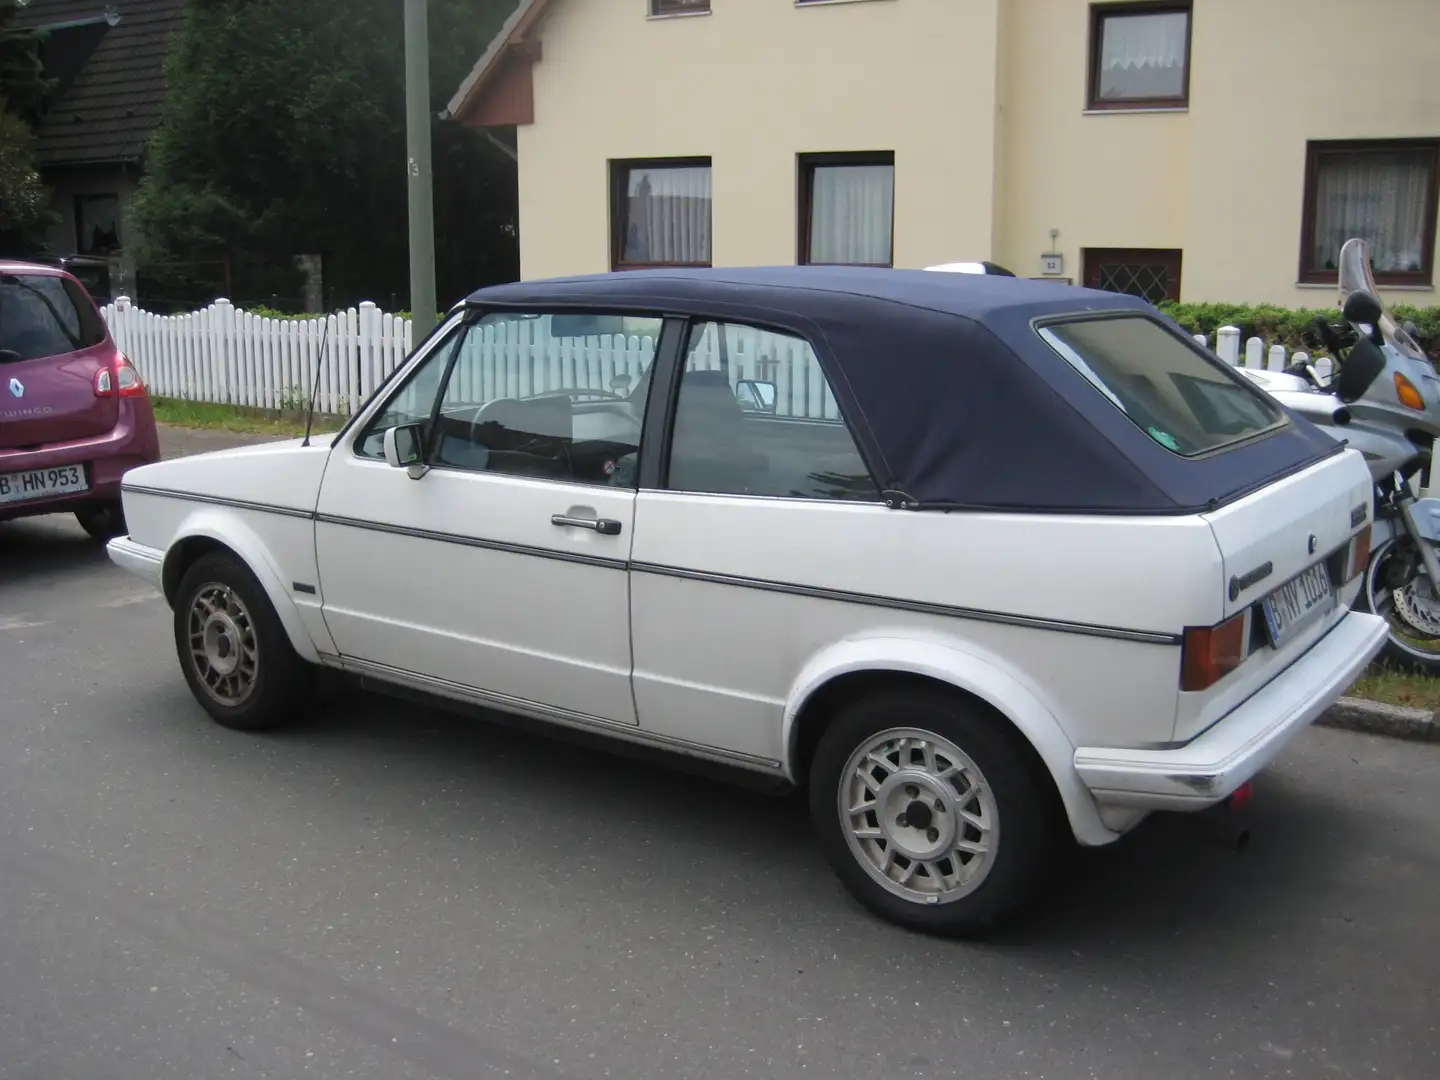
402	449
1362	366
1361	307
619	383
755	395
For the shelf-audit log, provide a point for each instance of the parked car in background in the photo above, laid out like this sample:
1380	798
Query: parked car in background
74	414
980	561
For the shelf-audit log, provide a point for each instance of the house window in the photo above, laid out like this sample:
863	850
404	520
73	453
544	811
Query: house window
1384	192
1139	56
660	213
847	209
97	224
679	7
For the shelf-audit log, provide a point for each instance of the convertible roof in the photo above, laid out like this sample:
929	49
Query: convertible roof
955	400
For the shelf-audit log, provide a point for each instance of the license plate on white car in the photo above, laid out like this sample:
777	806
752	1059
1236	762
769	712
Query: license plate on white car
1301	600
42	483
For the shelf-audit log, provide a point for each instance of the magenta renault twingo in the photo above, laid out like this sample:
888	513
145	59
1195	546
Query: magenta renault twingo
74	413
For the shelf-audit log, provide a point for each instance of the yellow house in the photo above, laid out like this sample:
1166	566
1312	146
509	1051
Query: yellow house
1195	149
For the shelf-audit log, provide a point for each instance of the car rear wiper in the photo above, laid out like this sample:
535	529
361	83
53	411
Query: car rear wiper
12	279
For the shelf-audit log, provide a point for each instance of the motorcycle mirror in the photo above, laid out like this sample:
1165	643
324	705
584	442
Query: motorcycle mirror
1361	307
1361	368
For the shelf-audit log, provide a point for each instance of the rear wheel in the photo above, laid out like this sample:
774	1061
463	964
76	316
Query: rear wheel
233	649
930	813
102	520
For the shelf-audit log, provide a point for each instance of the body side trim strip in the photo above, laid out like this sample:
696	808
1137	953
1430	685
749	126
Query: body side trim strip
1147	637
1060	626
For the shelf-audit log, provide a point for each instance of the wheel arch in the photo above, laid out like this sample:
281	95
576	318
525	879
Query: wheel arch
865	666
210	531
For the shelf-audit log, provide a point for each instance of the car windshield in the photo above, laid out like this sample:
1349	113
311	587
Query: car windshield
43	315
1183	399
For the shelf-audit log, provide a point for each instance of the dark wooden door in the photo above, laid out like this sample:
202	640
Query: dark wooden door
1150	273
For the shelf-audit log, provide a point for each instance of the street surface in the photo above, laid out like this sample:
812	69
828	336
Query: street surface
392	892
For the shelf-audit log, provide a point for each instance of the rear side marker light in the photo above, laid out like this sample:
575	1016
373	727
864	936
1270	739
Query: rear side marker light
1359	557
1209	653
124	376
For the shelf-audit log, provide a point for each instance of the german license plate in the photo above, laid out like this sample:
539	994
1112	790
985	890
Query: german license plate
1297	603
42	483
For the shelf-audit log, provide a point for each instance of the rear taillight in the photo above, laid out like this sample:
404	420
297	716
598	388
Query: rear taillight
1359	557
124	377
1212	652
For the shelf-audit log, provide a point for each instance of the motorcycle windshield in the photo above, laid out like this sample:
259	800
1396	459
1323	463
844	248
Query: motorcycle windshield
1355	276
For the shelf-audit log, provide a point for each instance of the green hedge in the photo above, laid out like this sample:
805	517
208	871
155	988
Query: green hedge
1287	325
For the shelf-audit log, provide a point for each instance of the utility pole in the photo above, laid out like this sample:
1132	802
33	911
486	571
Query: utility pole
417	168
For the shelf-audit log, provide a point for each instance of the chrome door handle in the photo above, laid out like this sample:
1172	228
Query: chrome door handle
604	526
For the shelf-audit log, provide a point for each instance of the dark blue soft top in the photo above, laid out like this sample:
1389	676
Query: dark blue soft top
956	401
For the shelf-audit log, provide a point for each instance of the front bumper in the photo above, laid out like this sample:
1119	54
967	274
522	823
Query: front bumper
1210	767
140	560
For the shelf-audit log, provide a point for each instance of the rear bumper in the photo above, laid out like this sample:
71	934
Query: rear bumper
1210	767
140	560
132	442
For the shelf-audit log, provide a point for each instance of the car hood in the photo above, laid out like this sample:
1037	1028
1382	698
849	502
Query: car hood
282	475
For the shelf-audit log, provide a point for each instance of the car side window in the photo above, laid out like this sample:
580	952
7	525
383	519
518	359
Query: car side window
557	396
756	416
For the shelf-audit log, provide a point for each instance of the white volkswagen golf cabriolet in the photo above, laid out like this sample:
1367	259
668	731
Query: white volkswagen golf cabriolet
977	560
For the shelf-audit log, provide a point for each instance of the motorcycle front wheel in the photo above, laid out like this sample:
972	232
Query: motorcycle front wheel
1412	609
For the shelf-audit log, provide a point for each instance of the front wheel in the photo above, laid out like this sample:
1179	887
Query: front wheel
931	813
233	648
1397	589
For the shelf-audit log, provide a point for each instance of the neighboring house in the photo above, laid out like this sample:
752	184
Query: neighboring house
108	61
1210	150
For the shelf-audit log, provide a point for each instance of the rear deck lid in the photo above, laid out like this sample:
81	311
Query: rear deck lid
1284	551
52	345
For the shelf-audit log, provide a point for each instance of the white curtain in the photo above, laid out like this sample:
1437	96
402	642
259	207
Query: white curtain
1380	197
668	218
851	210
1143	56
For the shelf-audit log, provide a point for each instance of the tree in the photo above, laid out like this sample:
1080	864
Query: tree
283	134
24	202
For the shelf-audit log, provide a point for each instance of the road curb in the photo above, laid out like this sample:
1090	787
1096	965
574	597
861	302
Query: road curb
1373	718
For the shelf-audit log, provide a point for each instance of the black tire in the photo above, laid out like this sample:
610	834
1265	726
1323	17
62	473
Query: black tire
1023	798
278	682
1394	654
102	520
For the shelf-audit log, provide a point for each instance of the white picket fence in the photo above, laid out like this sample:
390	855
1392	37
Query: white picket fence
226	355
229	356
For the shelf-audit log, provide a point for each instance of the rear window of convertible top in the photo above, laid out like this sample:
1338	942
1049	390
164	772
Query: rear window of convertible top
1175	393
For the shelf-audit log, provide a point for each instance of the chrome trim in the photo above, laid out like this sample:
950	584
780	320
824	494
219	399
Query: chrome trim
215	500
1146	637
475	542
549	714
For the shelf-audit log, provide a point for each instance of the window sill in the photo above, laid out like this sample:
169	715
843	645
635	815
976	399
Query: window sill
676	15
1139	109
827	3
1332	286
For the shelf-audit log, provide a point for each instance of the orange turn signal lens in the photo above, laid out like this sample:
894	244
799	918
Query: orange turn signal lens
1212	652
1359	554
1408	395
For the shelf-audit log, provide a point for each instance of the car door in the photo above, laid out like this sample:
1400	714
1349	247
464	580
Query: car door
497	569
746	540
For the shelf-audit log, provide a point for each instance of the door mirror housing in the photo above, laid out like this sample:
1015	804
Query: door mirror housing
755	395
403	449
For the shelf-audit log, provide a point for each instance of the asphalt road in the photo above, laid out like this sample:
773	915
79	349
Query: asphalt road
392	892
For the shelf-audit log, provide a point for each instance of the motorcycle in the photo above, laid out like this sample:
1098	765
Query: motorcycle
1383	399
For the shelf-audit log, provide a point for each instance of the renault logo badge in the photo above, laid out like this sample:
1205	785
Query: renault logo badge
17	388
1314	542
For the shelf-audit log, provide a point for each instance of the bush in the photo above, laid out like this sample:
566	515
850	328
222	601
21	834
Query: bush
1288	326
